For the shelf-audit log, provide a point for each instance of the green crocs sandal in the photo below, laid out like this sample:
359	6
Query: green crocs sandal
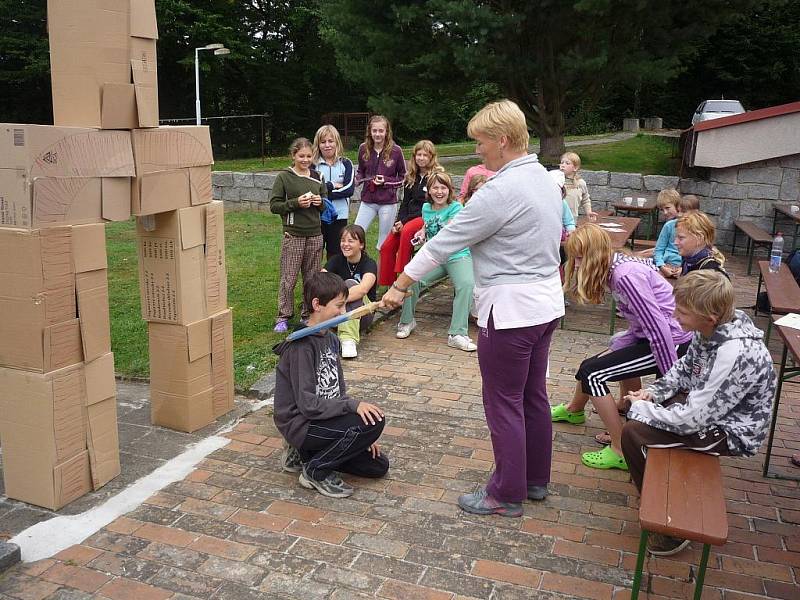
604	459
560	413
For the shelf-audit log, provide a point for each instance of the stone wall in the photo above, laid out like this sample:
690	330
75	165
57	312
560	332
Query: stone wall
746	191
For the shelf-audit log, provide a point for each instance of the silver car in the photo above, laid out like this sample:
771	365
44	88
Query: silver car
714	109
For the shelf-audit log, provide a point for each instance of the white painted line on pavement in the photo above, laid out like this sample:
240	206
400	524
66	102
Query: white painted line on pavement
50	537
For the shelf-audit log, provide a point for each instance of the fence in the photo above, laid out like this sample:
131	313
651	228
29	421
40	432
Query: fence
233	136
351	126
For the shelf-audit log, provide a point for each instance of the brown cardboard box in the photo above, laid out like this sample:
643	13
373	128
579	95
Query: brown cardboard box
191	371
43	435
103	63
101	420
52	176
173	169
182	275
38	330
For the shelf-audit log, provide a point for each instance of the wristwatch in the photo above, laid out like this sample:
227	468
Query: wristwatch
399	289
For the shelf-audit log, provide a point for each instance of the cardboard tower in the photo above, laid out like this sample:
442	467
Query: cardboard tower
58	185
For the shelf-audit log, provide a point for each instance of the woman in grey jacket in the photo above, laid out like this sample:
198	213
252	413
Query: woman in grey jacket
519	302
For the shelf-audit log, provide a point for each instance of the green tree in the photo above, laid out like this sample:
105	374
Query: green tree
550	56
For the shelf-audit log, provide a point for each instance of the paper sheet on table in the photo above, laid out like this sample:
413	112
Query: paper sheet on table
614	229
610	224
791	320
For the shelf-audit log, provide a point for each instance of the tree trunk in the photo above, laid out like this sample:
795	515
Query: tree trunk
551	148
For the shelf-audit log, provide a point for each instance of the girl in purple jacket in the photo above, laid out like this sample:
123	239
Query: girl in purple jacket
651	344
381	168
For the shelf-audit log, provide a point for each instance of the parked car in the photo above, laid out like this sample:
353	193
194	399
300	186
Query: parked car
714	109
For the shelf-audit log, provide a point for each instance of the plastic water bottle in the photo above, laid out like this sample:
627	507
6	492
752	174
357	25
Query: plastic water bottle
776	253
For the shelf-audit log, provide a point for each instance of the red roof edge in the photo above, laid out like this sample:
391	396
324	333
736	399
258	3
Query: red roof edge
753	115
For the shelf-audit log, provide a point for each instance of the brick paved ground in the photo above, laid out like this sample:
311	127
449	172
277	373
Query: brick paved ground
240	528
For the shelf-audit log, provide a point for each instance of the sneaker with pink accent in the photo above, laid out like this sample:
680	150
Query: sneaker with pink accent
481	503
281	326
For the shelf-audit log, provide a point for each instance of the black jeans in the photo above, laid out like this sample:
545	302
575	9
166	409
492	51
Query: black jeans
331	236
342	444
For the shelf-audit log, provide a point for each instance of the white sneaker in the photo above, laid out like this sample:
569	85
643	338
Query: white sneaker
349	349
404	329
462	342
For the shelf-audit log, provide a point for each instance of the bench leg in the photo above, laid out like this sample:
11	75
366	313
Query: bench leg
637	577
751	249
701	573
733	248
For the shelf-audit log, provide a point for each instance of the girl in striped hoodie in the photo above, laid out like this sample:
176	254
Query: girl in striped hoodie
651	344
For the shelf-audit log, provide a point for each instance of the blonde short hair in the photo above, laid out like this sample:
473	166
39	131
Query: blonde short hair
698	223
573	158
503	118
322	133
706	293
668	197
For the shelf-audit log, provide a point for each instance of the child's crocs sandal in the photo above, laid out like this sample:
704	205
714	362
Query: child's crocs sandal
604	459
560	413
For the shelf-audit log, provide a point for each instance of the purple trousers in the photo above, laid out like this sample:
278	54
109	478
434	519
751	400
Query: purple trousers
513	367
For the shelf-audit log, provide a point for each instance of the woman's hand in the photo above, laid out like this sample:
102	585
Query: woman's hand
397	227
591	215
305	200
378	180
337	185
392	298
369	413
316	200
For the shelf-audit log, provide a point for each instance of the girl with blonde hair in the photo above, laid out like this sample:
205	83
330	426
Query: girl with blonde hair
381	170
337	173
651	344
694	238
396	249
577	192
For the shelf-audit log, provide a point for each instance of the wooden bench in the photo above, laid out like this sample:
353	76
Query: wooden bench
755	237
682	497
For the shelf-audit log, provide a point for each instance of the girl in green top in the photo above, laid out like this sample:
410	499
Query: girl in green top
297	197
436	213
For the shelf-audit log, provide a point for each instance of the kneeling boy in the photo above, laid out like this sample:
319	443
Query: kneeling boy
329	430
728	374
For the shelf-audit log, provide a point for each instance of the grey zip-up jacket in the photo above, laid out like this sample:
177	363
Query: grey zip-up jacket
731	385
309	385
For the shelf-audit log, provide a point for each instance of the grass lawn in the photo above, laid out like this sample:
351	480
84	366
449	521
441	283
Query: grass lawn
645	154
272	163
252	245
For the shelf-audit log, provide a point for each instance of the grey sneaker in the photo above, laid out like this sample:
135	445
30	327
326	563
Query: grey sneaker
481	503
332	486
290	459
404	329
537	492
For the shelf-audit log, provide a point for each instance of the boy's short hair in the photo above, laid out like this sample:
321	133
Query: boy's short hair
325	287
689	202
707	293
668	197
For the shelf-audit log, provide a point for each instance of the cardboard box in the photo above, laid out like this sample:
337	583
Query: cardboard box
173	169
182	276
43	435
103	63
51	176
39	330
102	436
191	371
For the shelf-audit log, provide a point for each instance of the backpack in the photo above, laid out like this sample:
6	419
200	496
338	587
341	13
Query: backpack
793	262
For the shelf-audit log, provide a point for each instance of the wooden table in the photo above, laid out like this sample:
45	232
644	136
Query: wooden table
786	211
618	238
791	343
782	291
650	208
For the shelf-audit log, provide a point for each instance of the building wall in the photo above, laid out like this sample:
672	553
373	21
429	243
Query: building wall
745	191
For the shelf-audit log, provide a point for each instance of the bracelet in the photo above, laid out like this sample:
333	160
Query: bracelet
399	289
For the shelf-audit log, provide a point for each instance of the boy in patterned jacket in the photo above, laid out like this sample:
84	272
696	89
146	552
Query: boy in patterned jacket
728	378
325	429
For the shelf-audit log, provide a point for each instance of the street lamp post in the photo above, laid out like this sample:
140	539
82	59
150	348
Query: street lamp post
219	50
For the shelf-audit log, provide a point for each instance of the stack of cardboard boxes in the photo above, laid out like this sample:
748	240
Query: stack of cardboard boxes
58	419
182	278
58	185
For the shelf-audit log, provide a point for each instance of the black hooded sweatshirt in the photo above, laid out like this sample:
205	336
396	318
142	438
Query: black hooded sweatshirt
309	385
